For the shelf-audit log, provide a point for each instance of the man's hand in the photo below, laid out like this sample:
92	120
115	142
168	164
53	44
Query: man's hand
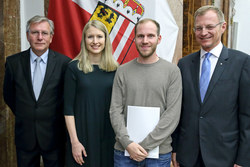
136	152
78	151
235	165
175	163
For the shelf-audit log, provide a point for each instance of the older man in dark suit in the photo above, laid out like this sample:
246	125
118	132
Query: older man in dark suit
214	129
33	89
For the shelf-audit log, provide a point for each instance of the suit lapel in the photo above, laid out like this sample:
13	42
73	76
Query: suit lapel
25	60
195	68
51	63
220	66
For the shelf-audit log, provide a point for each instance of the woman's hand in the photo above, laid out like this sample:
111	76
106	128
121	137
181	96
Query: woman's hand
78	152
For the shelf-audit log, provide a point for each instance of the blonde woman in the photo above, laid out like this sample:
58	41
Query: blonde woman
87	93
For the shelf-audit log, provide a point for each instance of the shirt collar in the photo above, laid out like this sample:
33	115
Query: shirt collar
216	51
44	56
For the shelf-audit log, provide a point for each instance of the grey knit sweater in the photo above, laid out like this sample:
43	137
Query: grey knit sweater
150	85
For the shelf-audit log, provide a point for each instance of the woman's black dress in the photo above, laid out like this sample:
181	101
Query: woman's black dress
87	98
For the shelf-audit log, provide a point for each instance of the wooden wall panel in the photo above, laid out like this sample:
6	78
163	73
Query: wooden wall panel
190	6
225	9
189	43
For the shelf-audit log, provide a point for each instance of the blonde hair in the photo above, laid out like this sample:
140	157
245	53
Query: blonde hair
202	10
108	63
148	20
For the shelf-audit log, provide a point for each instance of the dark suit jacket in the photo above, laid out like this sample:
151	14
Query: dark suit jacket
220	126
37	123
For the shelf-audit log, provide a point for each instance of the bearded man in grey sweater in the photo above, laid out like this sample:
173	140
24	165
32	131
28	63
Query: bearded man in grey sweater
147	81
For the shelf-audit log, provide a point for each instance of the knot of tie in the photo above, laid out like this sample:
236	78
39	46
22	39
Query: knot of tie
207	55
38	60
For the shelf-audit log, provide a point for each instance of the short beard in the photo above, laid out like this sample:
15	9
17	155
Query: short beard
146	55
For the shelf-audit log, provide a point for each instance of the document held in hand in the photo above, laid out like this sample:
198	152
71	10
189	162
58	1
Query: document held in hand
140	122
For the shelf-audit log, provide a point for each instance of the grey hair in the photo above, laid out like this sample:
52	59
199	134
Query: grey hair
39	19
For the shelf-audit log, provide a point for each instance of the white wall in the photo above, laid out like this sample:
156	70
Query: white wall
242	14
28	9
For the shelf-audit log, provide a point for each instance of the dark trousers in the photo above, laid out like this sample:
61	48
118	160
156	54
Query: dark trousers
199	162
52	158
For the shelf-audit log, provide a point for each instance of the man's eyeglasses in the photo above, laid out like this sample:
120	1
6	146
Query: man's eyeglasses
208	27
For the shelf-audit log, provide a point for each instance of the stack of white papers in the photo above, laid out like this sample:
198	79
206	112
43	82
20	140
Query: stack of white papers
140	122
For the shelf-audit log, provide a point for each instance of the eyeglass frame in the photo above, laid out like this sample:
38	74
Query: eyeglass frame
207	27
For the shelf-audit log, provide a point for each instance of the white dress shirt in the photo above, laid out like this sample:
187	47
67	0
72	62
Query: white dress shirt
43	63
216	51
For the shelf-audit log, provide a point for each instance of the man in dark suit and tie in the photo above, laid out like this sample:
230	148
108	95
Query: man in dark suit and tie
214	129
33	89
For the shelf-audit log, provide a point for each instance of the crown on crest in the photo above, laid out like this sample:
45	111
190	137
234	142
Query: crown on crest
132	9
